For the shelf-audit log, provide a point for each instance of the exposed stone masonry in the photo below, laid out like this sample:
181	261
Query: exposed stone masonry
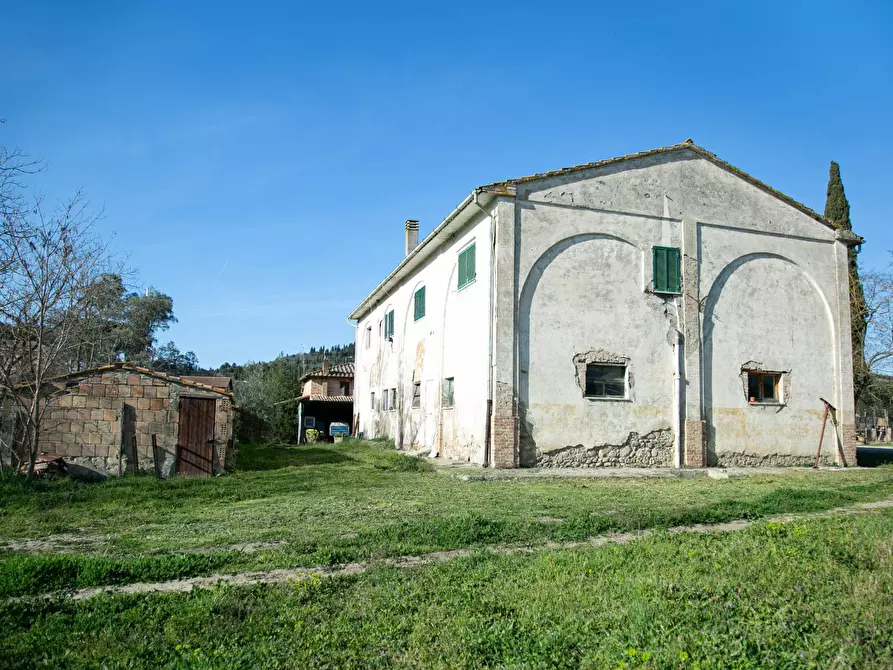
655	449
96	413
742	460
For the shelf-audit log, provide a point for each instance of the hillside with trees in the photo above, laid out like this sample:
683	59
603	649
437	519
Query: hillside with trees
265	391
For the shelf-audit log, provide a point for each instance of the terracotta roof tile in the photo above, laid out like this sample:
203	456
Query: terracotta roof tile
340	370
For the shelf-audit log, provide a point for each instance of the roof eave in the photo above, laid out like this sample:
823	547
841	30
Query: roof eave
426	247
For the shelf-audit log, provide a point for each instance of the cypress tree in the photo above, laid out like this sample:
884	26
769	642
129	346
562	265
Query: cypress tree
837	210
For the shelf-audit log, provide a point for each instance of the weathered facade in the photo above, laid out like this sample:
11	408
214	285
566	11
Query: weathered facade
105	418
658	309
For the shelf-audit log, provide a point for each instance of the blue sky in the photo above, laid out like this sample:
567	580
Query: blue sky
256	161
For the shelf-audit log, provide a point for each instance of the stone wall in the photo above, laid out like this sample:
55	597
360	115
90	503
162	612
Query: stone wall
654	450
97	419
743	460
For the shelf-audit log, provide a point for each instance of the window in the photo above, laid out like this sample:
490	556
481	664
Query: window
419	311
417	394
764	387
389	325
666	270
368	336
393	404
385	400
605	381
345	388
372	404
466	266
448	398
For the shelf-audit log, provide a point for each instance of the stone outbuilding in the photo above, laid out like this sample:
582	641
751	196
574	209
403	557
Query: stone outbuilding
106	418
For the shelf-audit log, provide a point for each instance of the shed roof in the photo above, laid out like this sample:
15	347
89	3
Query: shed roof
129	367
222	383
326	398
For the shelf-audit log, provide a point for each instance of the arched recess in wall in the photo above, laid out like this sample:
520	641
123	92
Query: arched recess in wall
715	359
444	441
407	353
528	292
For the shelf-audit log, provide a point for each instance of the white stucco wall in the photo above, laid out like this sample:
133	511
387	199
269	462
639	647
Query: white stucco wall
584	267
451	340
764	286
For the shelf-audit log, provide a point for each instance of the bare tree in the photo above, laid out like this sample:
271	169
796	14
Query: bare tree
51	261
878	287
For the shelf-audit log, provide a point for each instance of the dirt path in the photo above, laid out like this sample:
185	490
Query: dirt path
300	574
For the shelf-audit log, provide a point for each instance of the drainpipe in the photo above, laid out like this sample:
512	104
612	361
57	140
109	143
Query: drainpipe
677	393
487	428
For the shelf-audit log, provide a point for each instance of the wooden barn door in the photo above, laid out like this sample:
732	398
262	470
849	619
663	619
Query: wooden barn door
196	438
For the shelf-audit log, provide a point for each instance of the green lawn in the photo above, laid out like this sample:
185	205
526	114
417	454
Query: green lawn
805	594
809	592
357	501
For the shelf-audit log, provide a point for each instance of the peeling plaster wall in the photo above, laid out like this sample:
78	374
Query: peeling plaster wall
584	301
762	281
584	264
764	314
451	340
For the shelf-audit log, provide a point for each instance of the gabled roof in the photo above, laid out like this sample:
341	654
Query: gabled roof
688	145
129	367
345	370
487	193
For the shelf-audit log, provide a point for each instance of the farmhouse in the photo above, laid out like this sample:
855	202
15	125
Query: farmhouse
107	417
657	309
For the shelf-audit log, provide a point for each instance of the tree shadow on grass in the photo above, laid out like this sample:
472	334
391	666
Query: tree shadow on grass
253	458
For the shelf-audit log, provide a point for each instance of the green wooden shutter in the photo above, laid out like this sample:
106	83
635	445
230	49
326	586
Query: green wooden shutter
673	270
470	273
466	266
419	307
660	269
666	270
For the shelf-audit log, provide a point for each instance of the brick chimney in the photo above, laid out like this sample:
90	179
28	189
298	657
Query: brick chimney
412	235
325	365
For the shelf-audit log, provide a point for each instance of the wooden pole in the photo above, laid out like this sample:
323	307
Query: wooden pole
818	451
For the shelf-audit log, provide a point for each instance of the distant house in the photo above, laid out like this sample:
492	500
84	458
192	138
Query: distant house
657	309
326	398
106	418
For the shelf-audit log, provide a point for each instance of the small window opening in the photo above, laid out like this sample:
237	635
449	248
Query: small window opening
448	398
763	387
605	381
666	269
368	336
389	325
393	403
372	404
466	272
419	308
417	394
345	388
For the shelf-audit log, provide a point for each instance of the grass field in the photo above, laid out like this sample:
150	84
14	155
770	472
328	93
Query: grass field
807	592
